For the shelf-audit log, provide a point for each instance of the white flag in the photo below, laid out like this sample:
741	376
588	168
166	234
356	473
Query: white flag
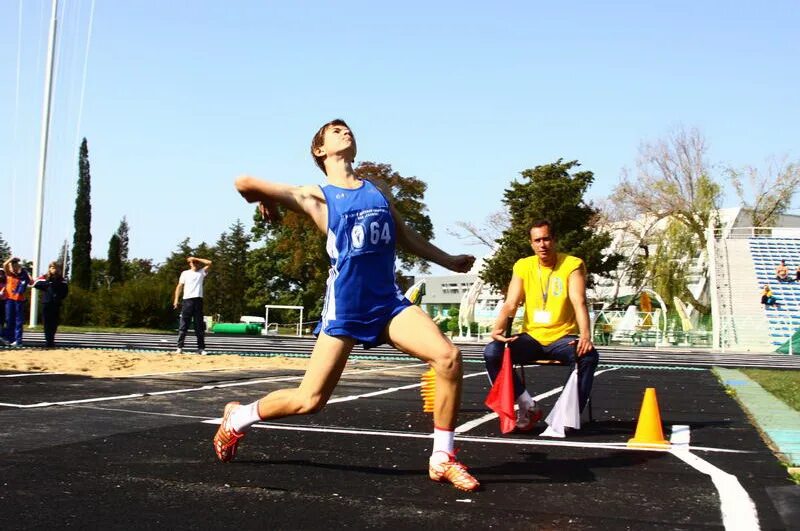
566	413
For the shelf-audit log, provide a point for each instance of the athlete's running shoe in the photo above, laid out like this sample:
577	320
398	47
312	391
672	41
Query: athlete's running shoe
227	439
453	472
528	417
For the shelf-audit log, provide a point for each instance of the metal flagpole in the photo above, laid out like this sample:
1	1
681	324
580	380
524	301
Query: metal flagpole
48	89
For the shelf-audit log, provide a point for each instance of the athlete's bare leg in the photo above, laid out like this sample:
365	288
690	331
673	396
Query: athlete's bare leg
325	367
413	332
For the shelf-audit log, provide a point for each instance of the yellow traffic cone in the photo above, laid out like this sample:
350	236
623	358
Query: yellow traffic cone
428	390
648	429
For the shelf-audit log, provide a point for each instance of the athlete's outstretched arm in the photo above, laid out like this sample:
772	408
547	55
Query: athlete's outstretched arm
414	243
302	199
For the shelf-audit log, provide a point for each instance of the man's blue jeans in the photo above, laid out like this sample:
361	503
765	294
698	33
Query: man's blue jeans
526	350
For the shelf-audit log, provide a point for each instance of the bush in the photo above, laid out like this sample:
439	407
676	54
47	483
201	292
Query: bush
141	303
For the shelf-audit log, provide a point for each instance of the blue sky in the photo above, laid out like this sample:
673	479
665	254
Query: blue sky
182	96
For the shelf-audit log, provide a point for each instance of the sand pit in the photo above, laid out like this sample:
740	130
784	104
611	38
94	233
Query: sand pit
111	363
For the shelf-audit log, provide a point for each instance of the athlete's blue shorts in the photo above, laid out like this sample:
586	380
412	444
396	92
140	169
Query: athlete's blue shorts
370	333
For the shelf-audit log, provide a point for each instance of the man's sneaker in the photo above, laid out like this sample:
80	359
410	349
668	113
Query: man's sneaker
202	352
227	439
528	417
453	472
15	344
179	350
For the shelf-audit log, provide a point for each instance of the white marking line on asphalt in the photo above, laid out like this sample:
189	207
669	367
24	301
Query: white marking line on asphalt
738	509
20	375
391	390
463	428
196	389
471	438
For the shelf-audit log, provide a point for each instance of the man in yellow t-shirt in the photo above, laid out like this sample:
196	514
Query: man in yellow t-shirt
556	326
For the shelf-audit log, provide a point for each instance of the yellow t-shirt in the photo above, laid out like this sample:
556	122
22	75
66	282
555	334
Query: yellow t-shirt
538	280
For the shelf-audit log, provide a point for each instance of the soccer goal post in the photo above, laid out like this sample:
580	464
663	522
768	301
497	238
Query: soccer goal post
268	307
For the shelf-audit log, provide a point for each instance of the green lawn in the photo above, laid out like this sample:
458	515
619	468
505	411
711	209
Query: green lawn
784	384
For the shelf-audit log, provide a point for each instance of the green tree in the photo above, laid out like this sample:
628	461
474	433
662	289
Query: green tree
5	249
552	191
138	268
292	267
225	294
124	239
82	239
114	261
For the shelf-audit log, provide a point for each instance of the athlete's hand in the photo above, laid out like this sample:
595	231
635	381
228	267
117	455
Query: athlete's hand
461	263
269	211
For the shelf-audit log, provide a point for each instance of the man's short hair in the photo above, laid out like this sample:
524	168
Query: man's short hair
543	223
319	139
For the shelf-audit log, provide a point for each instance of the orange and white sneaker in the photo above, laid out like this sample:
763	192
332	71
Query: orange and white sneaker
227	439
453	472
528	417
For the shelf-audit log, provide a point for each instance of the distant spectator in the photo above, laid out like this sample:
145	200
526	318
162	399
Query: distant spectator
2	305
797	274
782	273
55	291
17	282
767	298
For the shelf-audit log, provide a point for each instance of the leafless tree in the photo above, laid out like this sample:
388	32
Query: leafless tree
769	191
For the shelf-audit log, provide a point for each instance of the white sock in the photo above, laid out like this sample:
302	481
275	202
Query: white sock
443	441
244	416
525	400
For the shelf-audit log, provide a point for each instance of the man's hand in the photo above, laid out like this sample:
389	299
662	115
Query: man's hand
498	334
174	305
583	345
461	263
269	211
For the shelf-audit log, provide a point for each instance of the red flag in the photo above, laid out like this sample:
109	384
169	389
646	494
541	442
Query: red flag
501	396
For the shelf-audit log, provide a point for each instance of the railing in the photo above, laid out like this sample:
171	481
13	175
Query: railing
757	232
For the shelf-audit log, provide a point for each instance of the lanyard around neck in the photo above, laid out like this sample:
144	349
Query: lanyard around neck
546	288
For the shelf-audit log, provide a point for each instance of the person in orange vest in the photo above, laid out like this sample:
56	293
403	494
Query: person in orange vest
17	282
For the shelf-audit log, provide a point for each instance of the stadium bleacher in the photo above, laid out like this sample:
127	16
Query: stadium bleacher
767	254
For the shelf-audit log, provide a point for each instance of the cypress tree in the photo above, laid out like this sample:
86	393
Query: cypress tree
122	232
82	240
114	262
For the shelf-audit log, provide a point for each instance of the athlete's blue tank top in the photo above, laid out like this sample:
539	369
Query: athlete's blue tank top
362	295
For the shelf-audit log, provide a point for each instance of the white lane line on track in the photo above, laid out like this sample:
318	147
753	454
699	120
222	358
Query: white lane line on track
469	438
463	428
391	390
23	374
737	508
201	388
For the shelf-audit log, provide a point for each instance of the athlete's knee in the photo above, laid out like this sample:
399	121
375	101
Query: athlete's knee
447	362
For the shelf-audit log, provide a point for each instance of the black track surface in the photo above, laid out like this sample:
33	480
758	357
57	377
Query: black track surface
146	462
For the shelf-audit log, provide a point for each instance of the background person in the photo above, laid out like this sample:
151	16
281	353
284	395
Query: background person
556	326
55	290
191	282
767	298
2	306
17	282
782	272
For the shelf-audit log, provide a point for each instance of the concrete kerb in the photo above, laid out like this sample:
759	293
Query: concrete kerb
779	422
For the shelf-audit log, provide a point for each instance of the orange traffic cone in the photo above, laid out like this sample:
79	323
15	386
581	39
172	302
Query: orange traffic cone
428	390
648	429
